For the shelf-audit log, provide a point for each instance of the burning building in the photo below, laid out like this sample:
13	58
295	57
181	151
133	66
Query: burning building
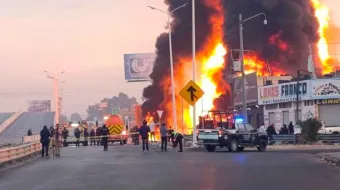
281	47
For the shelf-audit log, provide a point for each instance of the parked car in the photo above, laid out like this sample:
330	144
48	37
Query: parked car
325	130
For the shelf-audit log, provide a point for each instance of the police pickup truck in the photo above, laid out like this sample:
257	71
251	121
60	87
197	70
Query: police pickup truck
242	135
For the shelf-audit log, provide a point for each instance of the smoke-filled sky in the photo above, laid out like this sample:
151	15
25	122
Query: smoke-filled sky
85	38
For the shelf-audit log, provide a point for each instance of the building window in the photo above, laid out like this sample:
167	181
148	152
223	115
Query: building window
271	107
285	105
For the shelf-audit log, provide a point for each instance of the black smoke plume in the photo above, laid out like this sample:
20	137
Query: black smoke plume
290	21
181	28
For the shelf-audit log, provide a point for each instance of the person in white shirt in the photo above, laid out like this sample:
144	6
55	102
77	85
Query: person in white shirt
262	129
152	131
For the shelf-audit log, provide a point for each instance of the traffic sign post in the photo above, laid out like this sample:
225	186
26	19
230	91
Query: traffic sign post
191	93
160	113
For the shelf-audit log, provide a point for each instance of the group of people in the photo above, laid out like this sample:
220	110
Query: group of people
166	135
270	130
51	136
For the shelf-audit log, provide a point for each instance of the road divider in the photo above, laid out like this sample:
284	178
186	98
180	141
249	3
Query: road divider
9	121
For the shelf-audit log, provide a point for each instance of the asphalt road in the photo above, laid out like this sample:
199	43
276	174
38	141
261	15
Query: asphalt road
28	120
126	167
4	116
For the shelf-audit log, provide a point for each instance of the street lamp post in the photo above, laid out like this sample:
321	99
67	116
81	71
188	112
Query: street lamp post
56	93
244	94
194	135
174	116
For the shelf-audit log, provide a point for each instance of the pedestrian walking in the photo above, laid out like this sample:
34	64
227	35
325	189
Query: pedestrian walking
44	140
57	141
178	140
164	140
92	136
271	131
77	135
104	133
144	131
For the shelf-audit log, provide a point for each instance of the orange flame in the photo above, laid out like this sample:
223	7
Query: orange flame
322	15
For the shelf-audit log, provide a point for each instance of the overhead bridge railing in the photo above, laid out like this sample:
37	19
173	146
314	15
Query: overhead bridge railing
14	153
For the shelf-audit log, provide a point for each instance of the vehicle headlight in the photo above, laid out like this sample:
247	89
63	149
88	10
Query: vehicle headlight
124	133
225	137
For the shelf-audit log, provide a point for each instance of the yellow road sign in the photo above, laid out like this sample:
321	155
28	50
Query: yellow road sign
191	93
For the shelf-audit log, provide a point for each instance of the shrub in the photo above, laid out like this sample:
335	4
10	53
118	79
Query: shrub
309	129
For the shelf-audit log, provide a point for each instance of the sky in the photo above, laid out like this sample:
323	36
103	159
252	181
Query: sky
84	38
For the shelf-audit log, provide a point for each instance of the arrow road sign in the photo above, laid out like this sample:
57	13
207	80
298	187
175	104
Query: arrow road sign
191	93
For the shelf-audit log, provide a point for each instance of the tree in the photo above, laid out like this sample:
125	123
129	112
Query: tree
75	117
310	129
116	102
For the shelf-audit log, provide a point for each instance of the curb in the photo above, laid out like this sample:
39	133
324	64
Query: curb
327	158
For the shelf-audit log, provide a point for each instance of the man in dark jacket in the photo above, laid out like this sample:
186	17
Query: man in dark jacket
77	135
86	135
98	132
105	132
44	140
164	140
171	137
291	128
144	133
178	140
92	136
271	131
29	132
65	135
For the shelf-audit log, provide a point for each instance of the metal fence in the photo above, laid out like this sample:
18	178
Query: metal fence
291	139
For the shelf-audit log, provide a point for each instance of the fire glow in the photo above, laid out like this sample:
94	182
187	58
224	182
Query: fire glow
211	64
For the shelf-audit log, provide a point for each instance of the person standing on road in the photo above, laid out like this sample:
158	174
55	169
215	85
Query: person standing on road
65	135
136	130
152	131
57	140
171	131
178	140
144	133
86	135
29	132
291	128
92	136
98	132
164	140
44	140
262	128
77	135
104	133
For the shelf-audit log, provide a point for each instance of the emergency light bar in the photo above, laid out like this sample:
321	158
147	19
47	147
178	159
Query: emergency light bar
238	119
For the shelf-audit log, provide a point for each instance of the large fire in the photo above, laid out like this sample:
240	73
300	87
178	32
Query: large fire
211	61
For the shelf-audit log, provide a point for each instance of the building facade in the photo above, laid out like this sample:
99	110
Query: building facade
318	98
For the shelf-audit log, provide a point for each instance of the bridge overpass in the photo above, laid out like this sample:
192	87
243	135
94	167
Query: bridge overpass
27	120
126	167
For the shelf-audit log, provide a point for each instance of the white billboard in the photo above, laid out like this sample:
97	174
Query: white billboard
326	88
138	67
39	106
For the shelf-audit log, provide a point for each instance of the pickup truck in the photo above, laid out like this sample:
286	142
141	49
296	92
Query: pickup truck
243	135
325	130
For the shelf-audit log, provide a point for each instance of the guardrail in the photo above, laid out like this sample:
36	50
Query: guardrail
32	138
291	139
9	121
13	153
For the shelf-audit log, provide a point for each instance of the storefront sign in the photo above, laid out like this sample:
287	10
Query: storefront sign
325	89
328	101
283	92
